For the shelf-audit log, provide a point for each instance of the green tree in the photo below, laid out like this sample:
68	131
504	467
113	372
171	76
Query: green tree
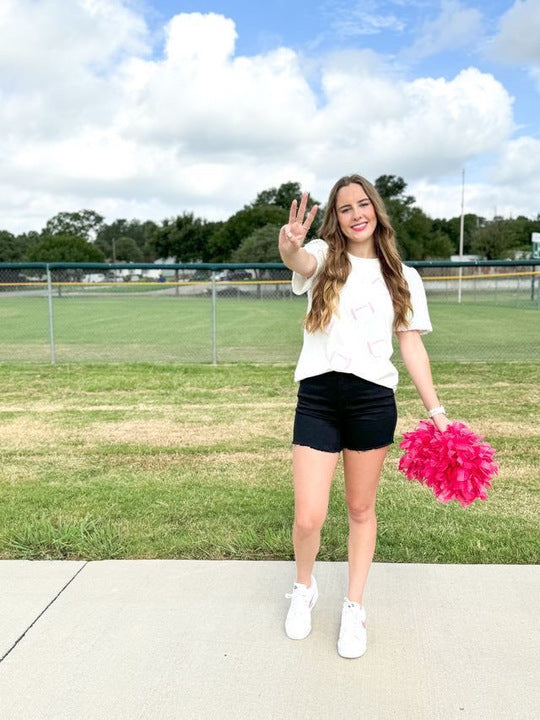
392	189
127	250
283	197
8	247
492	240
25	242
210	231
84	224
65	248
500	239
451	228
14	248
413	235
260	246
439	246
399	208
140	232
182	237
520	230
241	225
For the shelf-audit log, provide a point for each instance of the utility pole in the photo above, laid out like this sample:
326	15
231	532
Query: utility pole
461	230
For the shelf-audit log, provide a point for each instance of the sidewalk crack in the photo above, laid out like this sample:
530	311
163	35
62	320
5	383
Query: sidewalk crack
55	598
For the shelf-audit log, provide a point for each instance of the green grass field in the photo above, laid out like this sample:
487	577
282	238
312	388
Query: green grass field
176	329
175	461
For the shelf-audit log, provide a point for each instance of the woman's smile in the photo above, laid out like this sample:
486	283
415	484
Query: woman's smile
357	220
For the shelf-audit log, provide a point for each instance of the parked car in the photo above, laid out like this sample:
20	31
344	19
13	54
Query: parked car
229	275
200	276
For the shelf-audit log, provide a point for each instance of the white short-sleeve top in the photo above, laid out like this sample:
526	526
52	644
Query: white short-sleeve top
358	339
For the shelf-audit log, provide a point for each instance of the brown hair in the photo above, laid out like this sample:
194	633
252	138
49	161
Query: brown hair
325	294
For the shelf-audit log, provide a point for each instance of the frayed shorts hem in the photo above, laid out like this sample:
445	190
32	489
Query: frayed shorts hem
376	447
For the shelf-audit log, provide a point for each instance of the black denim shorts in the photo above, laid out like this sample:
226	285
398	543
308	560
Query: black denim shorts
337	411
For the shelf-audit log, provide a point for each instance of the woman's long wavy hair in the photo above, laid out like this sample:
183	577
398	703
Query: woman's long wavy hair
325	294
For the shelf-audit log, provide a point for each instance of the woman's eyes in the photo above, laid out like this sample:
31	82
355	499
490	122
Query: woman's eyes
348	208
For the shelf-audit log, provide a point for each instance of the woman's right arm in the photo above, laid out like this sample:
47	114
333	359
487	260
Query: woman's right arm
292	236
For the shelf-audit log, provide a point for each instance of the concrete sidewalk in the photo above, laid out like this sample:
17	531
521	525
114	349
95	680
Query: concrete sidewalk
198	640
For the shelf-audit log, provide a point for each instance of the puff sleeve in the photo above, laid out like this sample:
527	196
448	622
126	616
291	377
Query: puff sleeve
419	320
318	248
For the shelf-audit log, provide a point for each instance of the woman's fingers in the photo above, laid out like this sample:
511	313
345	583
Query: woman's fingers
302	208
296	216
292	212
311	217
286	230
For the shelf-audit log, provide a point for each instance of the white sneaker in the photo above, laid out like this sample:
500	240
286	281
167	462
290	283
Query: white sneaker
303	599
352	640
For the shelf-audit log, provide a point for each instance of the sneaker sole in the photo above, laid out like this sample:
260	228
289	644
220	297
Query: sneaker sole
350	656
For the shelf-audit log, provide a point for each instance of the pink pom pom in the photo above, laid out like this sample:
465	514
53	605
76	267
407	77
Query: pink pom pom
455	464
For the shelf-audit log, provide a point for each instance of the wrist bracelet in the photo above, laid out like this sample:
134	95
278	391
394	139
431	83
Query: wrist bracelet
437	411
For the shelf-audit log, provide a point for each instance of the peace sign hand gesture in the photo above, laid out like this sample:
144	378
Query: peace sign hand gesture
292	235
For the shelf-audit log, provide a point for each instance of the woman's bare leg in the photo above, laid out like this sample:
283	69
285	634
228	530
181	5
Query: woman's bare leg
362	475
312	475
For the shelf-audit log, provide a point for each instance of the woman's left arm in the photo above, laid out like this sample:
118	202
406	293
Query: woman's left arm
418	366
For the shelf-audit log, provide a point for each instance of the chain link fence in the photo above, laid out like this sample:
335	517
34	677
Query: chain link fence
197	313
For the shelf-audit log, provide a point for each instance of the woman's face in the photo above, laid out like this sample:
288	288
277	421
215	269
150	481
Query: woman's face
357	219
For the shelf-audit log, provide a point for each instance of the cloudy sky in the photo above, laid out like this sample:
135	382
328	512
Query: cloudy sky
149	108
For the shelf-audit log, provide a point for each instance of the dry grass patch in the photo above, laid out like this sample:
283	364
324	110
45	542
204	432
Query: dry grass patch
509	429
248	467
17	473
27	433
166	427
167	433
483	427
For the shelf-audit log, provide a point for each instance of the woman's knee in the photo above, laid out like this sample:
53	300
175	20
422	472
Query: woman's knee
307	523
361	513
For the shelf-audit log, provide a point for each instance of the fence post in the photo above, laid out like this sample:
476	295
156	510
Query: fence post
214	328
51	323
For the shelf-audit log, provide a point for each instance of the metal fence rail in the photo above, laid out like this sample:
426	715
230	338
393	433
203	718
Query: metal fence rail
67	312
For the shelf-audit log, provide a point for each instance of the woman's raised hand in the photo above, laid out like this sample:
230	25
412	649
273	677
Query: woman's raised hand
292	235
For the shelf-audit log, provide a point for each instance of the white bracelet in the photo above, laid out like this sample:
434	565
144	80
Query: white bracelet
437	411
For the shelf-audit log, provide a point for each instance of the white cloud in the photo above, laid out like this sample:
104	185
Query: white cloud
108	126
483	199
50	40
56	60
514	188
455	27
205	101
362	23
364	17
518	37
421	128
519	163
194	37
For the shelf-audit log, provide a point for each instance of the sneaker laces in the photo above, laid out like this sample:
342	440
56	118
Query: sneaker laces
353	618
299	598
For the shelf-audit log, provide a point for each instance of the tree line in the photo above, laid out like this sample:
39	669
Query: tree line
250	235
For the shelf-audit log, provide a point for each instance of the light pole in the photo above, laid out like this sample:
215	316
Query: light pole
461	228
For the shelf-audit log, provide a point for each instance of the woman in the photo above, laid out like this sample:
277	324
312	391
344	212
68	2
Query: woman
359	293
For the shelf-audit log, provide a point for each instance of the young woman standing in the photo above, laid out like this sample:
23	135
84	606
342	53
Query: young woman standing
359	294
